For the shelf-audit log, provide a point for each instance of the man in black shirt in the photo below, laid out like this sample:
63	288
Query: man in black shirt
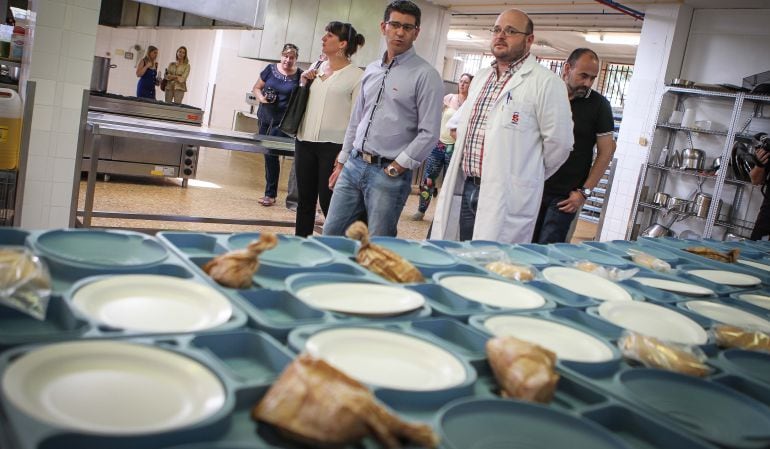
567	189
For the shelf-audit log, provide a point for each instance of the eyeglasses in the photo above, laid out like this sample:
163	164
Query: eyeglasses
408	27
509	31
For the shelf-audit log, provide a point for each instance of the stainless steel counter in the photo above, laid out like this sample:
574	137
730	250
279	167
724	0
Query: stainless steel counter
99	124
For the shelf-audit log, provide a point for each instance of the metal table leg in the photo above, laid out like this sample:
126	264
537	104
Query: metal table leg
88	209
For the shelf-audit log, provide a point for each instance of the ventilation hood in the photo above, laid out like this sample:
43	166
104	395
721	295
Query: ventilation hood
244	14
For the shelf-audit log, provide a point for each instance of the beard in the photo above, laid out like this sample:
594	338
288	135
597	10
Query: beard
509	52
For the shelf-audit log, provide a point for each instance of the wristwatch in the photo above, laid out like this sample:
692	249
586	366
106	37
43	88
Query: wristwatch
585	191
392	171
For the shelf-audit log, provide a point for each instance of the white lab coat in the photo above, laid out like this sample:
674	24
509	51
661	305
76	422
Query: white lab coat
528	137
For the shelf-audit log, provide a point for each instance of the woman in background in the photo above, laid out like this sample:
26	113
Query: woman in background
273	90
147	71
176	76
438	160
322	131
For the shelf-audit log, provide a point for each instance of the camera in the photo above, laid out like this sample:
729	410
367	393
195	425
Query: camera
270	94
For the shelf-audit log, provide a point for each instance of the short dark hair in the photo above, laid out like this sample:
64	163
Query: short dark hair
470	77
577	53
404	7
346	33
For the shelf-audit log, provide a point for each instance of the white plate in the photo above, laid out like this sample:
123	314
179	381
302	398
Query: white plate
727	277
361	298
586	284
388	359
568	343
153	303
751	263
654	321
728	315
493	292
674	286
112	388
757	300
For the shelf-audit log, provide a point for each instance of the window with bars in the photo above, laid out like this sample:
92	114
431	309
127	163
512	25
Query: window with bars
614	81
471	63
553	65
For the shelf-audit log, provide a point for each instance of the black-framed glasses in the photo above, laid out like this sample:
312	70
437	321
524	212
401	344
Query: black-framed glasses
408	27
509	31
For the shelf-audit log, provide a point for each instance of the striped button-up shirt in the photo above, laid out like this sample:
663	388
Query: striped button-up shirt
473	150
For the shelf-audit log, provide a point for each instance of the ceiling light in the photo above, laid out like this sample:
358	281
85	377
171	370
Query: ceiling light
458	35
613	38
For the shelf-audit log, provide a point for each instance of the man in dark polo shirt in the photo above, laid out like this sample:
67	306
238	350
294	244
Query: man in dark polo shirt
567	189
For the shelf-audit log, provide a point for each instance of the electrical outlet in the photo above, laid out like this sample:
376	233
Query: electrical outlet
128	55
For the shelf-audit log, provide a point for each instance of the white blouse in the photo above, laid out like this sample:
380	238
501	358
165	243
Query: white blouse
328	108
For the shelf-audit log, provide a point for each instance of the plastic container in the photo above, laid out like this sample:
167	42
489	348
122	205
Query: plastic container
17	42
10	128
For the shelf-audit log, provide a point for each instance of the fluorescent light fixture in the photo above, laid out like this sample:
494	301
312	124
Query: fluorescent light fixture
458	35
613	38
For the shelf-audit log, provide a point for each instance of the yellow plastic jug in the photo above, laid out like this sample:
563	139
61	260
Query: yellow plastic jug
10	129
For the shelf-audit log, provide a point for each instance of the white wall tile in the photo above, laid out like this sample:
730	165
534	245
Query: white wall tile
45	90
39	142
63	169
66	145
42	117
40	168
61	192
44	65
31	212
81	20
58	216
69	120
78	71
79	45
47	39
50	13
72	95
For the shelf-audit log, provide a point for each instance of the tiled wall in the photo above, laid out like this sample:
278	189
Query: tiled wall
659	58
60	56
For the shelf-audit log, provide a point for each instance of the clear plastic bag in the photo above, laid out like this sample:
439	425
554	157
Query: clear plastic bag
611	273
25	284
654	353
497	261
649	261
735	337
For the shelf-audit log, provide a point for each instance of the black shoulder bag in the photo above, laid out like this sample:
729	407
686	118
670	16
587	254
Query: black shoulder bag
296	108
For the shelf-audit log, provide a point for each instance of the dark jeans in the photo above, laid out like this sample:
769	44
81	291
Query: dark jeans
272	164
552	225
314	164
437	163
468	207
762	223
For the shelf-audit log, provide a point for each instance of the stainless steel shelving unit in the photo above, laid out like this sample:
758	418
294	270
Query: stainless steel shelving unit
656	177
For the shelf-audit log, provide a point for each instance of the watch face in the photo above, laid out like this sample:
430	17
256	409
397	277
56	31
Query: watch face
587	192
392	171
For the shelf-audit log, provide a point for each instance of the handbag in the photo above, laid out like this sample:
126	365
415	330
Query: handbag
296	108
163	83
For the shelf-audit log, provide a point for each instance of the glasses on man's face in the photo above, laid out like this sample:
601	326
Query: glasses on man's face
408	27
509	31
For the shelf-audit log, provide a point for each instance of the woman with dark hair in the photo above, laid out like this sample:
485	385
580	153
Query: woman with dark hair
322	131
176	76
272	90
147	71
438	160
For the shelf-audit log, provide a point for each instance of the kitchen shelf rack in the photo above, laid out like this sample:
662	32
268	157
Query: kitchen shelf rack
726	189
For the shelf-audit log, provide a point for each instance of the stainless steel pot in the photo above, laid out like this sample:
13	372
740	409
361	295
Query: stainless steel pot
693	159
702	205
679	204
656	230
100	73
661	199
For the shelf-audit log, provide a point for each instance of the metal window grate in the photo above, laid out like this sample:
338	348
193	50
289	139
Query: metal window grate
554	65
7	196
614	82
471	63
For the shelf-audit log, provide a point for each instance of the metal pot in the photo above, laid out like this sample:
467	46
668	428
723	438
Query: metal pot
692	159
679	204
702	205
661	199
656	230
100	73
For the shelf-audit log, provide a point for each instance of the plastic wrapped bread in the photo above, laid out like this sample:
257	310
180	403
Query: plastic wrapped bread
654	353
235	269
380	260
524	370
736	337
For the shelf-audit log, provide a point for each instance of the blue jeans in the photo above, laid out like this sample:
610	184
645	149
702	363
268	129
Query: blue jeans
468	206
552	225
364	187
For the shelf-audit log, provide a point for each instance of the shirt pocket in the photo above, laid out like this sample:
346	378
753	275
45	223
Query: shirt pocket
517	116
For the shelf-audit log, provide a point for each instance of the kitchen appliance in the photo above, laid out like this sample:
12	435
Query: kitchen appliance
100	73
702	205
692	159
143	156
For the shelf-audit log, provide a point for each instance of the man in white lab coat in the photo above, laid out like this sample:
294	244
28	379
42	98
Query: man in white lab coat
515	130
